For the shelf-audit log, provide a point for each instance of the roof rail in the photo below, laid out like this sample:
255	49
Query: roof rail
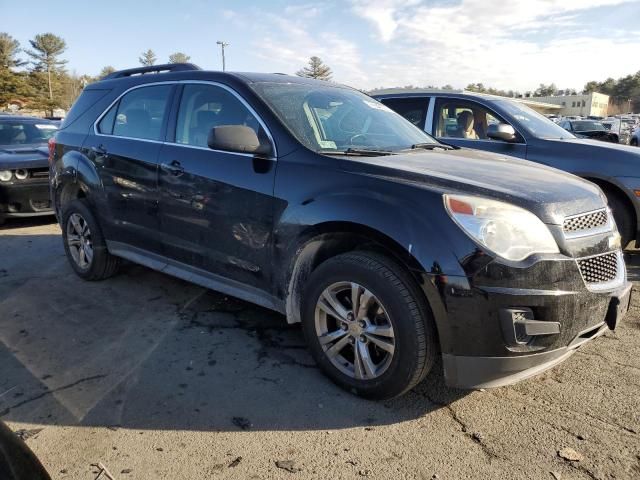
167	67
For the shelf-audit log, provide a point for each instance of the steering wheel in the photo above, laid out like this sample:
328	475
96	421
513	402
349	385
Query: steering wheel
368	141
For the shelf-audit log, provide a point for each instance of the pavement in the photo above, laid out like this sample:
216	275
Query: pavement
154	378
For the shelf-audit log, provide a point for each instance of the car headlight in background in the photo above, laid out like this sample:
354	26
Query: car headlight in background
511	232
5	175
22	174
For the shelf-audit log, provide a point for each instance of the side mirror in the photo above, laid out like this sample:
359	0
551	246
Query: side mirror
237	138
501	131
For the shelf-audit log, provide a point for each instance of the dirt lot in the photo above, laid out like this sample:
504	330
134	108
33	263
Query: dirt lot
157	378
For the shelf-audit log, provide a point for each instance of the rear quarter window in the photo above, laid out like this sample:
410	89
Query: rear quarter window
85	101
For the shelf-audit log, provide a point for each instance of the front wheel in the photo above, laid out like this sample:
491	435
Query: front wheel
368	326
623	217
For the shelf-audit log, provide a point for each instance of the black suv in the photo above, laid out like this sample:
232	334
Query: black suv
317	201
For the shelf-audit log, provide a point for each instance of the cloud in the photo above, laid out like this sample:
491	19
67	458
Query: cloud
513	45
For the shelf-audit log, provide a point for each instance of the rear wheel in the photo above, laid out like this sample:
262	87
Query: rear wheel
623	217
84	244
367	325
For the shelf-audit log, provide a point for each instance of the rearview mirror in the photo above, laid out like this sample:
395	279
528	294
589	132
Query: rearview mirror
501	131
237	138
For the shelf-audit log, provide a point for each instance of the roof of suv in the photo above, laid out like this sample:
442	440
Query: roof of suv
192	72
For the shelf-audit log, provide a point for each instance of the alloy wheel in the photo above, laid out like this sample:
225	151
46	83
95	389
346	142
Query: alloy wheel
79	241
354	330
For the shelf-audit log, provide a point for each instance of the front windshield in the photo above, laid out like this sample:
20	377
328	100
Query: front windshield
333	119
14	132
533	122
588	127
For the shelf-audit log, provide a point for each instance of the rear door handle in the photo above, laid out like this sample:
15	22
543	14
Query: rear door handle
174	168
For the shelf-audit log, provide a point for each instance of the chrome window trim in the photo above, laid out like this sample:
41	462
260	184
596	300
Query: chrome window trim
428	122
611	284
186	82
608	227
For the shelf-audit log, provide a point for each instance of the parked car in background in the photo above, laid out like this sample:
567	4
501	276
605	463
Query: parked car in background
618	127
24	172
589	129
505	126
315	200
635	138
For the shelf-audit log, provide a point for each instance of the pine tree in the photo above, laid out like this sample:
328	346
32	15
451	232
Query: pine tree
47	49
9	50
108	70
148	58
179	57
316	69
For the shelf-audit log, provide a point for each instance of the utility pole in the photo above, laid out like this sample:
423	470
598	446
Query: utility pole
222	45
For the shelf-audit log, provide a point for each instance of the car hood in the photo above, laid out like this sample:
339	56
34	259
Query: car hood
23	156
618	160
549	193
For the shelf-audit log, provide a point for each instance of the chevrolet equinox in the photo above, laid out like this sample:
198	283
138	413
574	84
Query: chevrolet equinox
315	200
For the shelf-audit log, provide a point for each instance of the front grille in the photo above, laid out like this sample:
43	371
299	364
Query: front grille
599	269
588	221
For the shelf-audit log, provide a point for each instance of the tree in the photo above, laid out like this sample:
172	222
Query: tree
148	58
9	50
316	69
108	70
179	57
47	49
546	90
14	87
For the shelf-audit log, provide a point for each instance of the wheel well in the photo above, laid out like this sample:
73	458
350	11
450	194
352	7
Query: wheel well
69	192
331	239
610	188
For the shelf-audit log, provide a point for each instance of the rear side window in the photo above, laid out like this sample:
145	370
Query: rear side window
85	101
139	114
413	109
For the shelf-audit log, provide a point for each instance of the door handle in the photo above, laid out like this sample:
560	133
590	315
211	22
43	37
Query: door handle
174	168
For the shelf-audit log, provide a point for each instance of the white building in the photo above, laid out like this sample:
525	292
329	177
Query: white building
583	105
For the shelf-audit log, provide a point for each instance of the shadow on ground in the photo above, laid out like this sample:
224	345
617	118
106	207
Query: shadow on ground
146	351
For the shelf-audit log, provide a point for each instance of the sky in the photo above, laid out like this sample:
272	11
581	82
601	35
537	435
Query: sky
512	44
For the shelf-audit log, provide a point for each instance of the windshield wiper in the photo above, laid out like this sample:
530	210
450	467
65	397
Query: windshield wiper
358	151
430	146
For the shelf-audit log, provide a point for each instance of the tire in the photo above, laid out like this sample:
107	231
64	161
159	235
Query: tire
623	217
76	217
397	303
634	142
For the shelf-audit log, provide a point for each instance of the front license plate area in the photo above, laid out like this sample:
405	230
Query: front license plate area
618	307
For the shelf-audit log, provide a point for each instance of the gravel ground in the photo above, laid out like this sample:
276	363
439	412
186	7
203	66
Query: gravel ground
156	378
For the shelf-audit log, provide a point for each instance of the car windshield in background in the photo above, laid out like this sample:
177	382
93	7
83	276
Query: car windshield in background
327	119
588	127
25	133
533	122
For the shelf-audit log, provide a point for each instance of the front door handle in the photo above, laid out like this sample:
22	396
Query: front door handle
174	168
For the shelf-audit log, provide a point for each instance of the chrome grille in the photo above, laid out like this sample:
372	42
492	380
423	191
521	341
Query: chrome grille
586	222
599	269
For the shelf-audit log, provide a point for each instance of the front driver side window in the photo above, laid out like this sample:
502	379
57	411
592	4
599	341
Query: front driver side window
467	120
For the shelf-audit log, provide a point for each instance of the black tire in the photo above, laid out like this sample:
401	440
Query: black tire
407	311
623	217
634	142
103	264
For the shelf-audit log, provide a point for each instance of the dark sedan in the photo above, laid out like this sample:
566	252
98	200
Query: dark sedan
24	171
506	126
589	129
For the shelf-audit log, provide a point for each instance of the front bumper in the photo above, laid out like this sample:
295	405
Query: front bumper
25	199
497	371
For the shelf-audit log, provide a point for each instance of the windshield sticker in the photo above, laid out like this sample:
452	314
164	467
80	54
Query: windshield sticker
376	105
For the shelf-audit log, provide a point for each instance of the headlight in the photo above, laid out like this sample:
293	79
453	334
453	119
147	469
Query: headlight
508	231
5	175
21	174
